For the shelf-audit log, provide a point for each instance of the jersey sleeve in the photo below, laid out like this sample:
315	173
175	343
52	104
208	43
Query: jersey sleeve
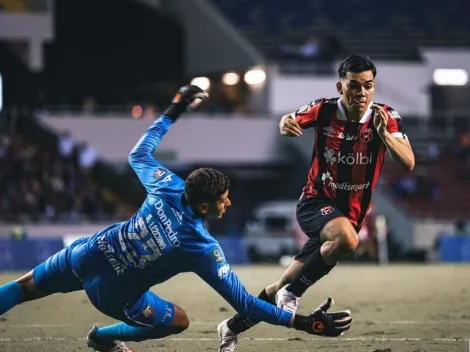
307	115
395	124
153	175
214	269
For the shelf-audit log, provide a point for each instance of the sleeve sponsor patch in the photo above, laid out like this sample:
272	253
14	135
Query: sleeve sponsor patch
159	173
218	255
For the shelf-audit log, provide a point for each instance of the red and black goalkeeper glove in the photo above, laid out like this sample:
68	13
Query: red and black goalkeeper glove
322	323
188	98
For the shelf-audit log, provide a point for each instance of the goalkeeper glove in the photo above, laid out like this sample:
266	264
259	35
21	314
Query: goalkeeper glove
188	98
322	323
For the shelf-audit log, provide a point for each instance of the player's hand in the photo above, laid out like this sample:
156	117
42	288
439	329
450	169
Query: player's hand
187	98
380	118
289	127
333	324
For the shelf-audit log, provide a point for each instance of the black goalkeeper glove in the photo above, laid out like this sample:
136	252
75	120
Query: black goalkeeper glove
188	98
322	323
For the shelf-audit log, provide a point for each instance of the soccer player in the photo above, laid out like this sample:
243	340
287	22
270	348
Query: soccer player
117	266
352	135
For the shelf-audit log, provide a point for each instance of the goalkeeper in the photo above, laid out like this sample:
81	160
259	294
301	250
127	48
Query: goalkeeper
118	265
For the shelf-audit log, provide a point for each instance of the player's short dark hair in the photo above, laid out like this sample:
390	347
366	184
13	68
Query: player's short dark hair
205	185
356	64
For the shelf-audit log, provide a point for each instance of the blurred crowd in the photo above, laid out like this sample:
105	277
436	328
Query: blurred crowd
42	186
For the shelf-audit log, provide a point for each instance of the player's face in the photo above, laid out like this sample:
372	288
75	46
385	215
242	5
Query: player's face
217	209
357	90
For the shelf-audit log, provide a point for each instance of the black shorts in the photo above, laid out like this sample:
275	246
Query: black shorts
312	215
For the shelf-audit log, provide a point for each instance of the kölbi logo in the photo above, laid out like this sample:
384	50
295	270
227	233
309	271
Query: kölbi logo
349	158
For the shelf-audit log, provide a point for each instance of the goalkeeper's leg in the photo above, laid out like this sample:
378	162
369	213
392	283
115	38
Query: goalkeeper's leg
52	276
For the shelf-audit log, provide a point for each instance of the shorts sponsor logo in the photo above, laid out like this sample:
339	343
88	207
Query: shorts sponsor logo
149	312
326	210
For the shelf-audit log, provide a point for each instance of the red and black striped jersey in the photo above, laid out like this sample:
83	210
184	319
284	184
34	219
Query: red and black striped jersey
347	156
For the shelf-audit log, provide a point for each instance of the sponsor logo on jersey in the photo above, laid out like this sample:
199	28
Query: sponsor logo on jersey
178	215
159	173
167	224
329	132
108	252
364	135
348	159
343	186
223	271
218	256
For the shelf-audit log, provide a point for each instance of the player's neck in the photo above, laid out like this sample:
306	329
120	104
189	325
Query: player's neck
353	115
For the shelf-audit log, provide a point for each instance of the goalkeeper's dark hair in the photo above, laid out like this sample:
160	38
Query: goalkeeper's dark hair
205	185
356	64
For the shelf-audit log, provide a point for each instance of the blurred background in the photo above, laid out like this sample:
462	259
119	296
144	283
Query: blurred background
82	80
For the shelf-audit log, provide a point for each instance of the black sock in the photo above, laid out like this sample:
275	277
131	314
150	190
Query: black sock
313	270
239	324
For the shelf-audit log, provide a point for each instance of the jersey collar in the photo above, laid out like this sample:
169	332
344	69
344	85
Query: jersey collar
343	117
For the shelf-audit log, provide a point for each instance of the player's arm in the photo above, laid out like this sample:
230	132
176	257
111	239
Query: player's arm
291	125
213	268
150	172
391	130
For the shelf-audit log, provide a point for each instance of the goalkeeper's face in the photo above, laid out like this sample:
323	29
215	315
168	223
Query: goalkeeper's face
216	210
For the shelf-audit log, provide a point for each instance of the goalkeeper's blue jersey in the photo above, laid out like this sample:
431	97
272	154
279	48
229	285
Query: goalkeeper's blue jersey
166	237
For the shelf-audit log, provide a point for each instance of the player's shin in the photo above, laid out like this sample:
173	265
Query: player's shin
125	332
239	324
10	296
313	270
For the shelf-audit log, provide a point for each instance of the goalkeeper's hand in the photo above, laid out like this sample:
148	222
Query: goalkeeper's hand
322	323
187	98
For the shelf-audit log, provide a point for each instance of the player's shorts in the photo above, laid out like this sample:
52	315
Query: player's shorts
75	268
312	215
55	273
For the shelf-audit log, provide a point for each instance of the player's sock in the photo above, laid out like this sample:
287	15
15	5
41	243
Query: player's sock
124	332
313	270
239	324
10	296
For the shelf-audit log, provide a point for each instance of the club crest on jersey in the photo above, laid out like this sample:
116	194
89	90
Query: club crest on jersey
159	173
326	210
149	312
366	135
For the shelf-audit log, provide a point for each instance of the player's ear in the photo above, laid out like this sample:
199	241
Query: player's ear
339	87
203	208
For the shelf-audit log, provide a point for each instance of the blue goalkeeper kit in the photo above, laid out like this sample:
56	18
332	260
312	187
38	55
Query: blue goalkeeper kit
165	237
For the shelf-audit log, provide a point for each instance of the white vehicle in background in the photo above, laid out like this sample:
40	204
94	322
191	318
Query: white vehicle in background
269	234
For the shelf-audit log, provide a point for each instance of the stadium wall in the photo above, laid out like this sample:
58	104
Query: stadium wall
404	85
214	139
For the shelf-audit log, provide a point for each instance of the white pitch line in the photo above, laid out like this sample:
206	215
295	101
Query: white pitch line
357	338
215	323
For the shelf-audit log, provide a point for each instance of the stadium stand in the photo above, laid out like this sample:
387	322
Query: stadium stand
387	30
